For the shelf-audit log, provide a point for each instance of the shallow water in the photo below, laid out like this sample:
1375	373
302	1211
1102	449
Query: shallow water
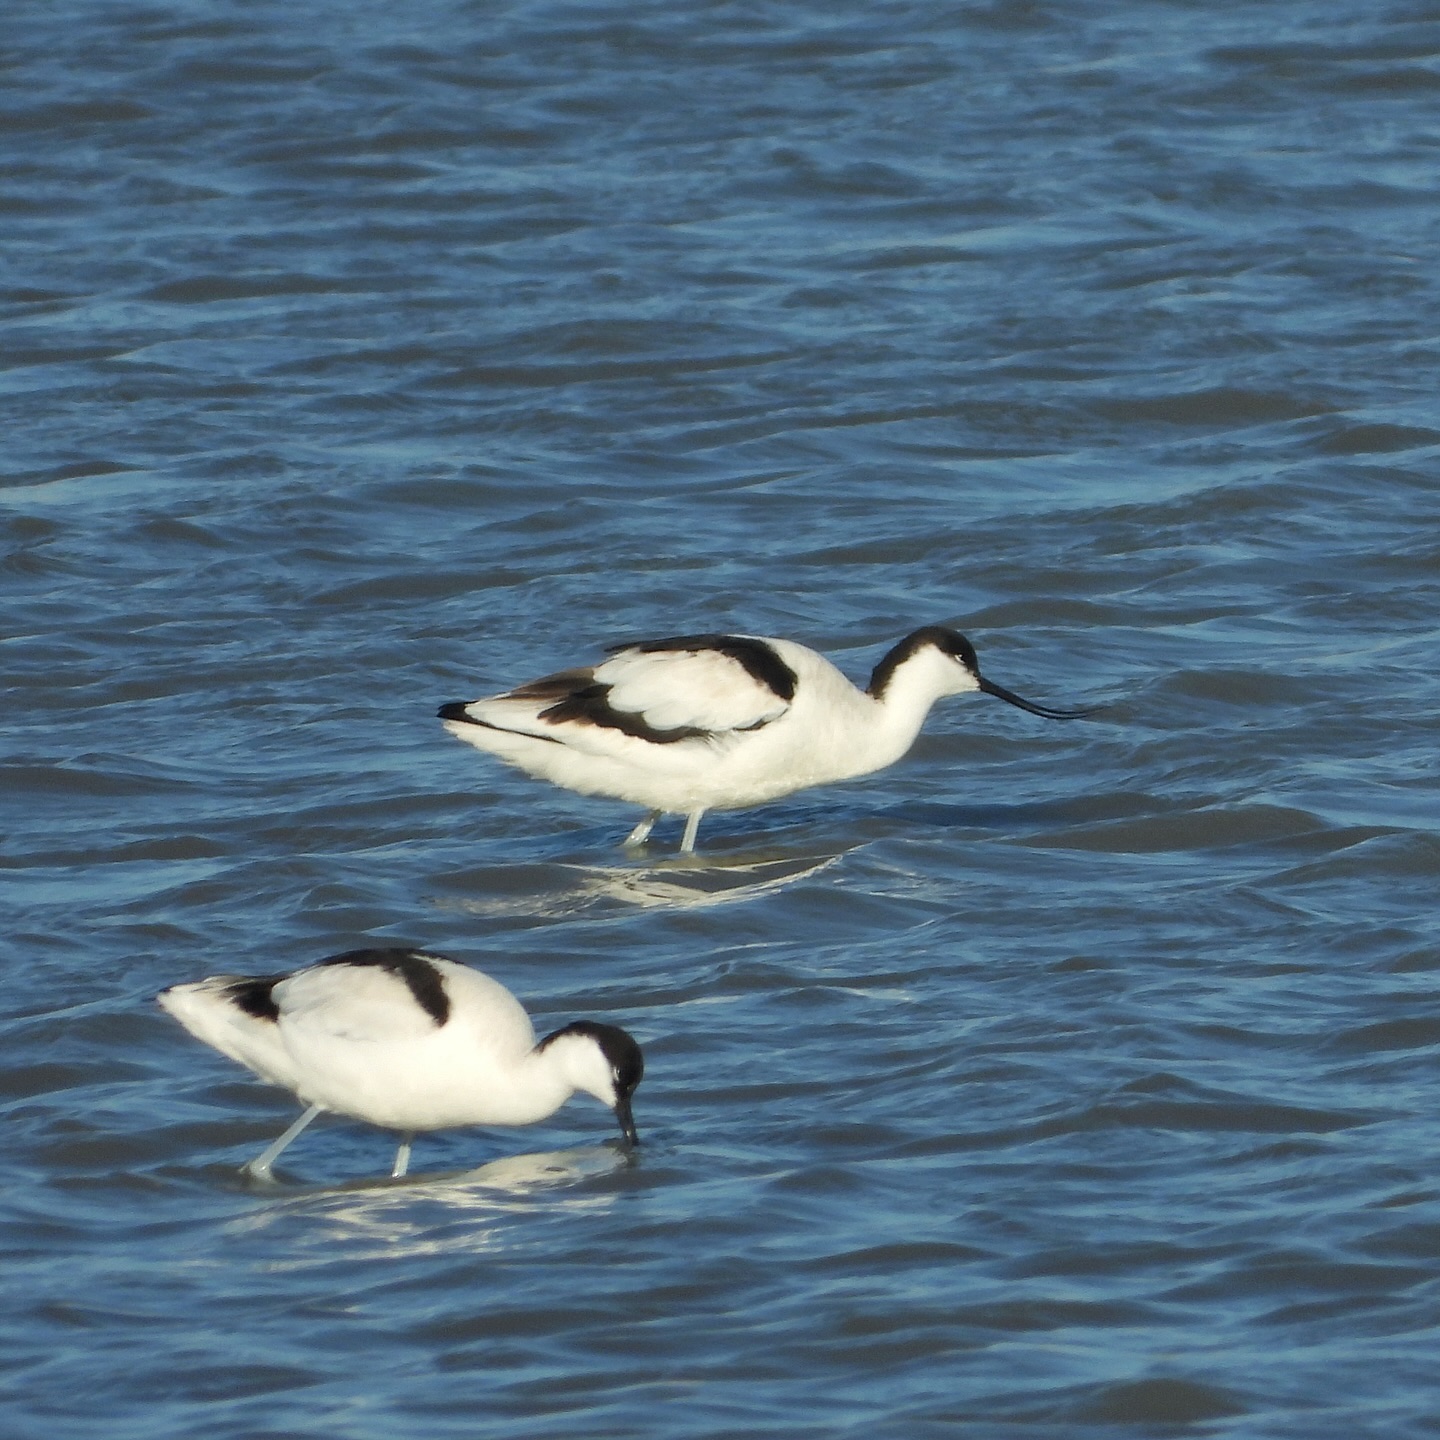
1064	1079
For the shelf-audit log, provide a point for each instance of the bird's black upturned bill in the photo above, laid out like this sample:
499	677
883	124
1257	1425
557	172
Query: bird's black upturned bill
1010	697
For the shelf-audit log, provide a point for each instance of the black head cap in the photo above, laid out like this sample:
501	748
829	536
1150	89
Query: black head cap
624	1054
948	642
939	637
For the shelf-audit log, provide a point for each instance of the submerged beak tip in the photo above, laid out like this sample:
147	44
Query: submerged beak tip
627	1123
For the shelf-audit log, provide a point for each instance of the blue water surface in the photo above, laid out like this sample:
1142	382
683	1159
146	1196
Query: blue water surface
1064	1080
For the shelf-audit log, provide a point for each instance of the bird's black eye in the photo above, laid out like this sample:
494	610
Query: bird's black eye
957	646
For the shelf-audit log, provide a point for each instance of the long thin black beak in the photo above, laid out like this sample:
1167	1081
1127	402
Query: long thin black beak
627	1121
1011	698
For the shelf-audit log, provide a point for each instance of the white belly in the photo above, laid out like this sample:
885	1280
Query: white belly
814	743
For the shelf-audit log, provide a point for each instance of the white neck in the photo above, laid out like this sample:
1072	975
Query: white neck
567	1064
910	692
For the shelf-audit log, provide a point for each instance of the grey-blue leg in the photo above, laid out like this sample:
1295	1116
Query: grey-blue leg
692	828
641	833
261	1166
402	1156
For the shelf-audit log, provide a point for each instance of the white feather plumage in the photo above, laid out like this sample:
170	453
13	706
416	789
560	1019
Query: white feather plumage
406	1040
708	722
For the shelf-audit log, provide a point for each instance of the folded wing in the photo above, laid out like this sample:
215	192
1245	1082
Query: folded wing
367	1003
696	687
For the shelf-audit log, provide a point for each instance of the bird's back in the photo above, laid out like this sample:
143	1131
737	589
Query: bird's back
397	1038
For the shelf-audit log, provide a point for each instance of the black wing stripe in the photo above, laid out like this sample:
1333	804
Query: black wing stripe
425	982
591	706
759	660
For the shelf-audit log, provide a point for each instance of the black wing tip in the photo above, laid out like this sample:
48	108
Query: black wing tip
255	995
455	710
250	994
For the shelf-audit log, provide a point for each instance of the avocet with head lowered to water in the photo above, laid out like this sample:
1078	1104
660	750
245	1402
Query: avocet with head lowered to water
406	1040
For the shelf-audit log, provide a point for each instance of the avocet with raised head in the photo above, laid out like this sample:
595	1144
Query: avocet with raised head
406	1040
721	722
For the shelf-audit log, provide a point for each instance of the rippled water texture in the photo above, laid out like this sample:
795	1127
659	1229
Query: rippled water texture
1065	1080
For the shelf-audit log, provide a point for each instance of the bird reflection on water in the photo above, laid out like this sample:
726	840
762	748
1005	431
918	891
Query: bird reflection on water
679	883
441	1214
